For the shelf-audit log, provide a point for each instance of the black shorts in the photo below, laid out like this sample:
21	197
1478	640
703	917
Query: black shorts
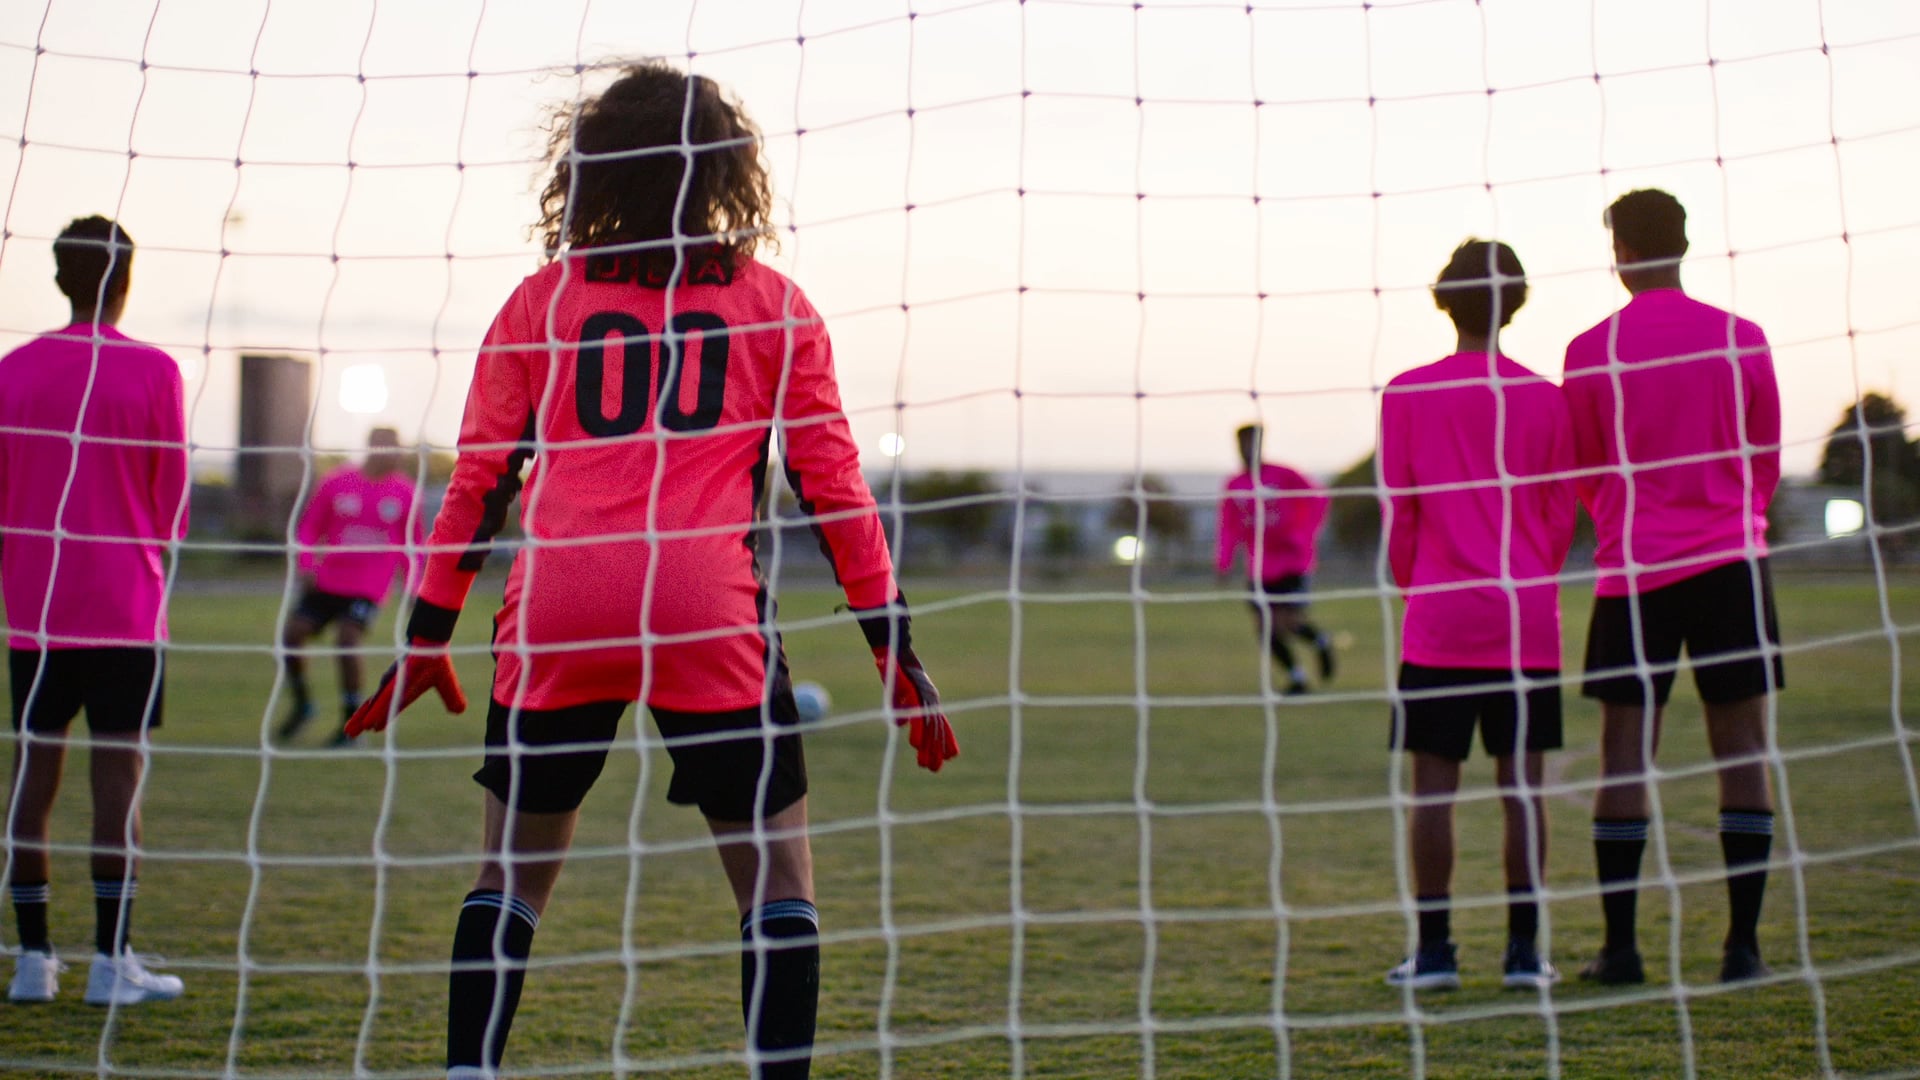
1439	707
122	689
719	758
1712	614
544	761
554	756
320	608
1287	592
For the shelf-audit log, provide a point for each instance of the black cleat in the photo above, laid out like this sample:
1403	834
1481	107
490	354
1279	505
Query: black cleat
1742	963
1615	967
1324	645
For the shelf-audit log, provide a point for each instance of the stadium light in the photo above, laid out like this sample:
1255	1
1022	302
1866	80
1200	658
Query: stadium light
1128	550
892	445
1845	517
363	389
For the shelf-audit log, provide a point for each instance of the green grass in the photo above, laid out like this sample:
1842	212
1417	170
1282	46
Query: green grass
1136	848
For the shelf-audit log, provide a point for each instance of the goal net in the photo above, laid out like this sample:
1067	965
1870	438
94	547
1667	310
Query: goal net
1065	249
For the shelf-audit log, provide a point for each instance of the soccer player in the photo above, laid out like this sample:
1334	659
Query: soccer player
1275	512
647	371
84	528
353	544
1676	412
1476	454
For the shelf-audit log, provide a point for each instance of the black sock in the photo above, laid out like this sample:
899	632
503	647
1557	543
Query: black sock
112	913
1523	914
475	995
1618	844
1436	919
1746	838
30	913
790	989
1306	631
1283	653
297	686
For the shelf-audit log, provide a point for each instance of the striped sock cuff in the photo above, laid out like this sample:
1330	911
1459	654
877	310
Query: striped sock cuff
1749	822
1627	829
512	905
116	888
34	893
780	909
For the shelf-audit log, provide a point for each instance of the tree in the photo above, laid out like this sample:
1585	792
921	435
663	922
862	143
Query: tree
966	507
1869	450
1169	523
1354	518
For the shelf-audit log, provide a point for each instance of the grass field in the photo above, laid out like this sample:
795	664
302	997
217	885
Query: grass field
1089	891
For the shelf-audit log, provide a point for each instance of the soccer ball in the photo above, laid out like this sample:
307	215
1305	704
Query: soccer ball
813	700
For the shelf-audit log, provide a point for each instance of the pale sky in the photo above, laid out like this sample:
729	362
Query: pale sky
1224	214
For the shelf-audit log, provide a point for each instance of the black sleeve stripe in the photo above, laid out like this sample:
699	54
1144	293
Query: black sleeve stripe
813	518
495	503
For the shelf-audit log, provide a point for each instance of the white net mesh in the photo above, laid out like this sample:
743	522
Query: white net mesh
1064	249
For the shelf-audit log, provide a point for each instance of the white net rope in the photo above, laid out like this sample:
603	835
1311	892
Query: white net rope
1064	249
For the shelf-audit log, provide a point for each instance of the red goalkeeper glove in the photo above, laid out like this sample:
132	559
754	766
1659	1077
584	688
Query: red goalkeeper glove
916	702
425	666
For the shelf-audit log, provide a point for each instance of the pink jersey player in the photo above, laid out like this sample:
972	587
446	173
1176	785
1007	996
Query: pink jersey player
1675	401
1278	523
86	526
354	538
1477	458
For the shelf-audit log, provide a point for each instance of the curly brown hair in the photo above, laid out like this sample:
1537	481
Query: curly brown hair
621	159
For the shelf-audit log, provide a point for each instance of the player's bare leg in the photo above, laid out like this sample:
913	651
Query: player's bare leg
293	639
1629	739
38	761
37	764
779	982
116	765
1524	819
1737	734
523	853
1524	848
351	635
521	857
1430	826
1436	779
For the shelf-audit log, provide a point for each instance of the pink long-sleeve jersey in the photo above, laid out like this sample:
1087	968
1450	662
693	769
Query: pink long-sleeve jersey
1278	524
84	531
354	536
1479	511
1692	390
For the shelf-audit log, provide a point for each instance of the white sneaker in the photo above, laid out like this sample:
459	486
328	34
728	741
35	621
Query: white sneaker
123	980
36	977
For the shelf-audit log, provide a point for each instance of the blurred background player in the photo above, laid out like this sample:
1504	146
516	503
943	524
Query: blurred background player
87	607
354	541
1478	565
647	371
1675	408
1275	512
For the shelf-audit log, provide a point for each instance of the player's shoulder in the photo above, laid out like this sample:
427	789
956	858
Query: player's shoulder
1422	374
1589	347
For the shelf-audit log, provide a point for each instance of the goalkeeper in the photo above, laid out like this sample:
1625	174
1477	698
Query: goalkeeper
646	372
1476	456
1676	420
